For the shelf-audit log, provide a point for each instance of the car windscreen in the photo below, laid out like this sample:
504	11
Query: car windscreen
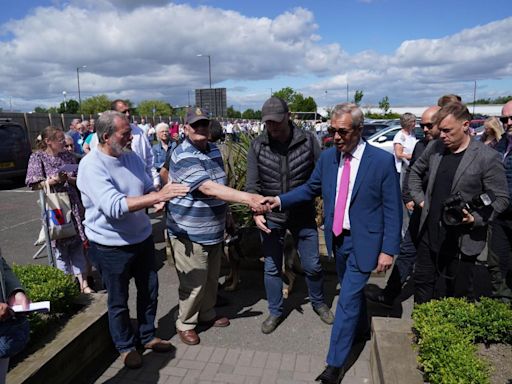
11	136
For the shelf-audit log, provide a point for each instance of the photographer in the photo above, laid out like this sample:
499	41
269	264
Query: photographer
456	164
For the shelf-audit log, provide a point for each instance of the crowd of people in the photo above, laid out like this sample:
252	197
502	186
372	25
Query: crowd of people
455	189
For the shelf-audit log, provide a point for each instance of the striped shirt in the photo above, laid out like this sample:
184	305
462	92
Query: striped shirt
197	217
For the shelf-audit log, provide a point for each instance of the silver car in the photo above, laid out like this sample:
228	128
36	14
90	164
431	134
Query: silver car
384	139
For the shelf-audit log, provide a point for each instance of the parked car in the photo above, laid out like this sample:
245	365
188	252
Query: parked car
15	150
370	129
384	138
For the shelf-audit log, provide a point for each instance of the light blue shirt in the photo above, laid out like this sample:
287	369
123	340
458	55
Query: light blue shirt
105	182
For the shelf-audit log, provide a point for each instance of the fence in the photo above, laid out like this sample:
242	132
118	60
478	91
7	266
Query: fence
34	123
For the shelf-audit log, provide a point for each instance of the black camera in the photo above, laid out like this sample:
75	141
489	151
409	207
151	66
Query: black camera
453	206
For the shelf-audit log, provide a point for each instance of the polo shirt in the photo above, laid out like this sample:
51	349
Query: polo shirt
195	216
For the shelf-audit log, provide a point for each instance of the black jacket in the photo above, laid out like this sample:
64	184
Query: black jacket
272	171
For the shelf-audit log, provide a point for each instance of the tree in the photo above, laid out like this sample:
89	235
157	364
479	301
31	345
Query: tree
249	114
296	100
95	104
154	107
301	104
232	113
384	104
358	96
40	109
70	106
287	94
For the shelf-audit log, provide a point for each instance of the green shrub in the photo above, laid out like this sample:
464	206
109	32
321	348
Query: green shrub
447	331
43	282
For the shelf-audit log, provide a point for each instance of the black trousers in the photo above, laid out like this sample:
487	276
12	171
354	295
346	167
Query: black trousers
456	269
500	258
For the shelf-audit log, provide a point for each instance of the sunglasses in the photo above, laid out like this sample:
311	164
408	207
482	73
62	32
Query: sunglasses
68	146
340	131
426	125
505	119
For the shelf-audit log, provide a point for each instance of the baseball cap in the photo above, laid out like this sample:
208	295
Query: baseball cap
196	114
274	109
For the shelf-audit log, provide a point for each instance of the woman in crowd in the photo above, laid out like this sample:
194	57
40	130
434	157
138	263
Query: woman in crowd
493	131
164	147
45	166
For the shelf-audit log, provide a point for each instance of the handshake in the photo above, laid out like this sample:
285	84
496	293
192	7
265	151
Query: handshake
261	204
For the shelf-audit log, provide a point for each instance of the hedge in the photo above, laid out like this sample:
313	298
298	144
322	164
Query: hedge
447	331
42	283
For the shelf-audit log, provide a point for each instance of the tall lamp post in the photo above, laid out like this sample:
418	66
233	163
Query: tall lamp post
210	78
65	101
78	81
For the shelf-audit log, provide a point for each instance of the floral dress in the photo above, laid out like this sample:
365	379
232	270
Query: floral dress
43	165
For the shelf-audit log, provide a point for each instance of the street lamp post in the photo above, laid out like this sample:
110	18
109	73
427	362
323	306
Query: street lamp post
210	78
65	101
78	81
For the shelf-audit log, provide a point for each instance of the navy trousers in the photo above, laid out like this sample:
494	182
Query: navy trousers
117	265
351	307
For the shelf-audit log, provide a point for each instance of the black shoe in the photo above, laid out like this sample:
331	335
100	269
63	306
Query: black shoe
270	324
378	295
331	375
324	313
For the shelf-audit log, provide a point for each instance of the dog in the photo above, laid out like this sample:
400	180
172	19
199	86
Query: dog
245	243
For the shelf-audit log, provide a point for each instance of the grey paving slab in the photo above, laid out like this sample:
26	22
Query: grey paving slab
240	353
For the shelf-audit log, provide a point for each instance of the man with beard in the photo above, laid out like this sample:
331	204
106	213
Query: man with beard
115	191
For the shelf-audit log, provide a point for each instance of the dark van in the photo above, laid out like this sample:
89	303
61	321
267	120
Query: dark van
15	150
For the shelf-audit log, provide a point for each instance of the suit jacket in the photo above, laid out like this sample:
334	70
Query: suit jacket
480	170
375	206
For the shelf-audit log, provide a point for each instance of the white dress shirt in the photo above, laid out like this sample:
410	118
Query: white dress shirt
357	154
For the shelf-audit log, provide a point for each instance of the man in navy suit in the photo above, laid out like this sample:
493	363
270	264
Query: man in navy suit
363	219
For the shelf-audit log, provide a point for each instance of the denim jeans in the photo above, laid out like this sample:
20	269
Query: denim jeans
306	242
117	265
14	334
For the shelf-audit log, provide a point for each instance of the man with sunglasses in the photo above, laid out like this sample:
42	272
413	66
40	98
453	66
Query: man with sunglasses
196	224
456	164
405	260
280	159
499	259
363	220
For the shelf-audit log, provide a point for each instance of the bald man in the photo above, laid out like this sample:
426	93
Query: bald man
405	260
500	241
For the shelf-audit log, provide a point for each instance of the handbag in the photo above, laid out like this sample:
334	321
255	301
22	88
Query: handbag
57	216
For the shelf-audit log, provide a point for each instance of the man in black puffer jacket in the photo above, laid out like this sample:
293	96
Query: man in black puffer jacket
279	160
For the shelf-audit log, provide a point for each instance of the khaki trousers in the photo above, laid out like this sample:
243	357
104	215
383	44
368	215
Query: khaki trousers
198	268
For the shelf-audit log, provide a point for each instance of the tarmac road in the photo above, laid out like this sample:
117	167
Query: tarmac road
20	223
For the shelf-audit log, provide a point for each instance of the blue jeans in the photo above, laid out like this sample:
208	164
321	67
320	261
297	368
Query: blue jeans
14	334
306	242
117	265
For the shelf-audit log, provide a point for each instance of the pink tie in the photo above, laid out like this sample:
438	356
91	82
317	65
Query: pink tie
341	201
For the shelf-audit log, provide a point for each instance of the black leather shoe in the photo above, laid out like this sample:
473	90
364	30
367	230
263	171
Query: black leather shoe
331	375
378	295
270	324
324	313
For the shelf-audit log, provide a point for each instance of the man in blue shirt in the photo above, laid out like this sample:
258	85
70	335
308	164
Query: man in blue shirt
196	224
115	191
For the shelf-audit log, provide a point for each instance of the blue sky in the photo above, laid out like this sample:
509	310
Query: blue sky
410	51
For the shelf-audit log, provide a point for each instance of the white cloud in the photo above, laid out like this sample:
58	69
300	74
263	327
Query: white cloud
142	49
